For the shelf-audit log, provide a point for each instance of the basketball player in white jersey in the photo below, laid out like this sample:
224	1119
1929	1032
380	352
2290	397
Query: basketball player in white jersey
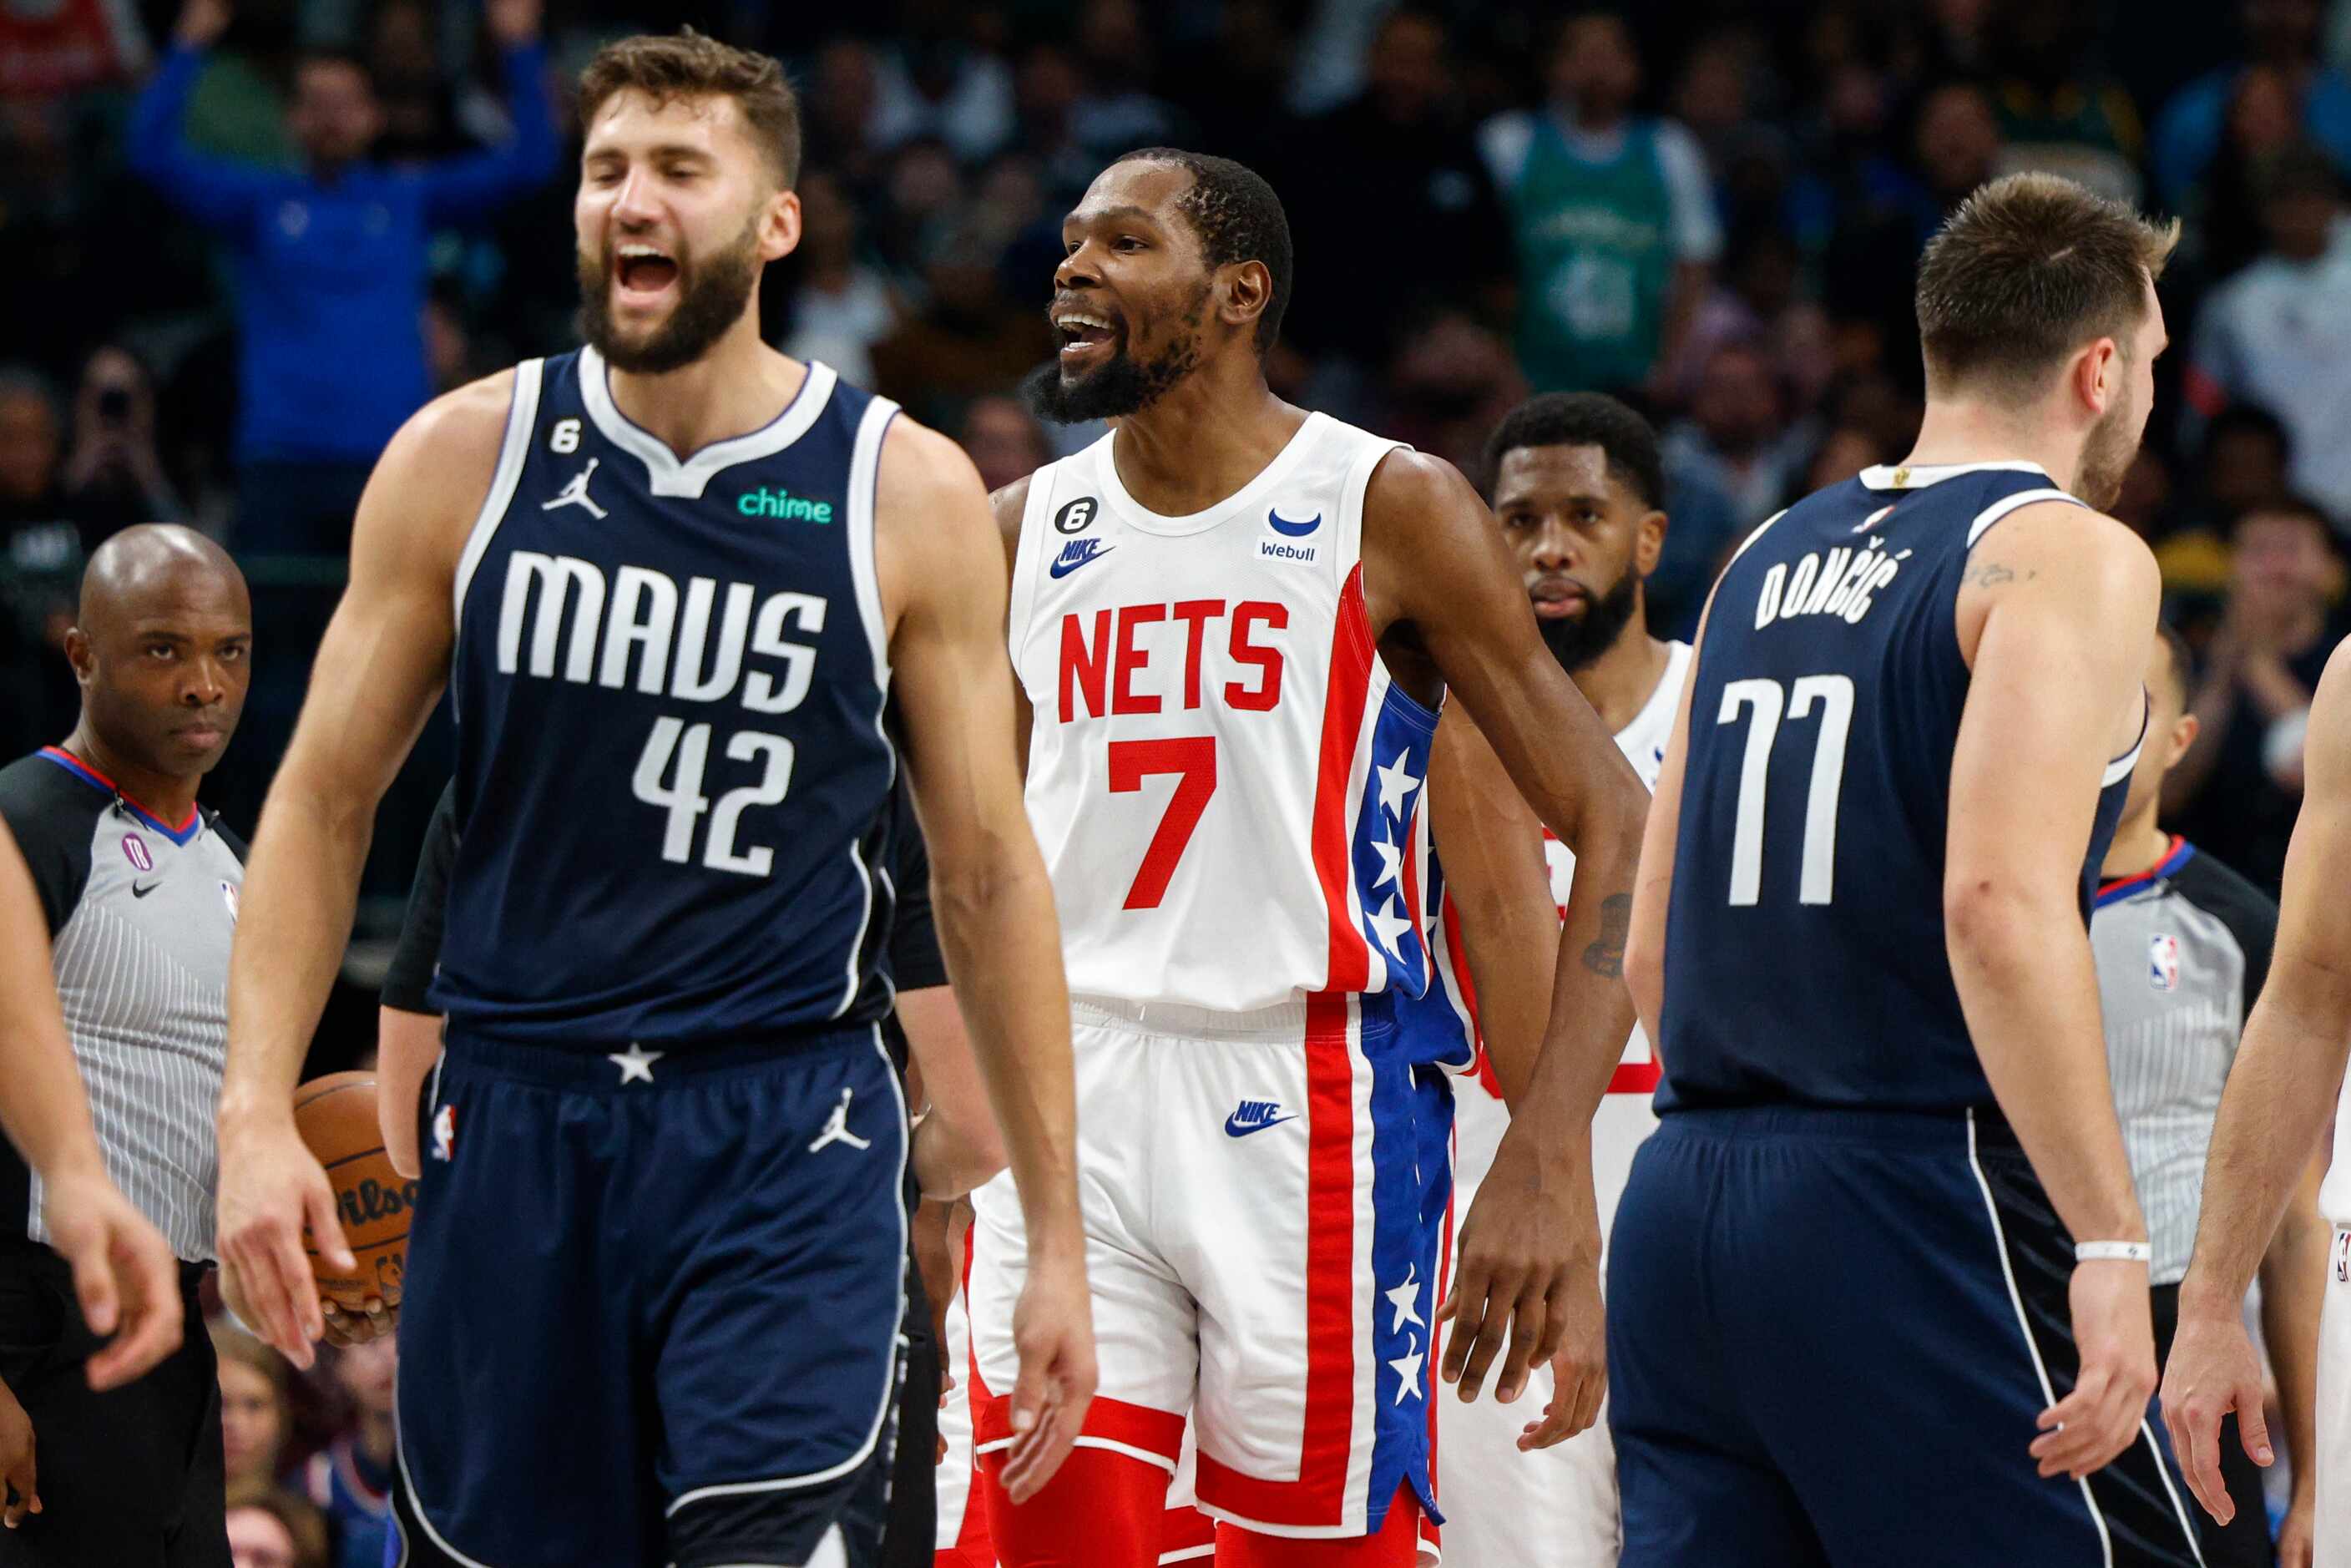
1235	621
2288	1073
1578	488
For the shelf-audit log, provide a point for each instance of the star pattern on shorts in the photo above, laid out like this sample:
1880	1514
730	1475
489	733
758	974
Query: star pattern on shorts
1406	1300
1390	862
1407	1370
636	1063
1389	925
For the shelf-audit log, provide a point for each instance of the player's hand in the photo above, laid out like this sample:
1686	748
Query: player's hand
2212	1371
2085	1430
124	1274
202	22
513	21
1522	1251
1579	1368
271	1187
2297	1542
1053	1330
344	1328
17	1460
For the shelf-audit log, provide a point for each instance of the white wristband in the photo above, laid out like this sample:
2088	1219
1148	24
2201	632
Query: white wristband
2113	1252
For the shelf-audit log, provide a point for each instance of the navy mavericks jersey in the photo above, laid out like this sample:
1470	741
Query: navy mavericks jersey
673	785
1805	952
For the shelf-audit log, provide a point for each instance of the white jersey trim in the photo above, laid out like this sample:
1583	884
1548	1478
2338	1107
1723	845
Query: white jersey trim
864	498
666	473
1043	484
1301	443
1918	476
522	419
2022	498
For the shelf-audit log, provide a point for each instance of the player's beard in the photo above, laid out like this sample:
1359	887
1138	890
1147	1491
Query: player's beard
1576	640
1122	384
711	295
2107	457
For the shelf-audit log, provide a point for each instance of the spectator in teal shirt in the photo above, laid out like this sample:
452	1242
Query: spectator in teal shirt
332	265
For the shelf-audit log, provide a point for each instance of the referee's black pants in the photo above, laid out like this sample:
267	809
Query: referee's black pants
129	1478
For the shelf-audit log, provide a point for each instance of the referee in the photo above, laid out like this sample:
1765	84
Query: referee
955	1145
2182	946
138	887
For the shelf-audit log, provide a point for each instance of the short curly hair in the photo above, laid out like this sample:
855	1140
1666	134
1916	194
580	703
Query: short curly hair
688	64
1585	419
1238	218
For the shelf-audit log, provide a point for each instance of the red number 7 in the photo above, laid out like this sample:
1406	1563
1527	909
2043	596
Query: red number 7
1194	758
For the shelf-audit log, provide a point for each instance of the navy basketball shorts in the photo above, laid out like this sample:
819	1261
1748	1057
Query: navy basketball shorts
1830	1334
652	1307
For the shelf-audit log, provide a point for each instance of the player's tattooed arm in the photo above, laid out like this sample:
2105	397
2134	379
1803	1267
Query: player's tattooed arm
1605	954
1995	574
1436	573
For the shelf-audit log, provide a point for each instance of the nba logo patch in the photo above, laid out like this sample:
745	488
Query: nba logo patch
135	851
2163	961
445	1131
228	896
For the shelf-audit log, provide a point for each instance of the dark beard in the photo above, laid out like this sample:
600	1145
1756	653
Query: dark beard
1125	385
711	300
1577	640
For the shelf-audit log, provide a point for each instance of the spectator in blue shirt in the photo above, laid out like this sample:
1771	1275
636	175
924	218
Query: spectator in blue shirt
2284	36
332	265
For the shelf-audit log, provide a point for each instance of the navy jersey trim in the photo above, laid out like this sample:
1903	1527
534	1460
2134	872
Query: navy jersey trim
666	473
863	498
514	450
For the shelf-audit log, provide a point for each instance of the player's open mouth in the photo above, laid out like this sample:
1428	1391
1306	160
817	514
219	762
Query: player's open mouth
1084	334
642	275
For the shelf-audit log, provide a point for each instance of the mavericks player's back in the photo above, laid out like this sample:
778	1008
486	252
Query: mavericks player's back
1806	960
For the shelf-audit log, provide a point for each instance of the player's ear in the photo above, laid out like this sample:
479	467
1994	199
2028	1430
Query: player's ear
780	226
2098	375
79	655
2183	735
1648	541
1247	290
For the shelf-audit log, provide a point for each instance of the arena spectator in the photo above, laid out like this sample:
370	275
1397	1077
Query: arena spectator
1118	108
268	1527
256	1413
2222	209
2279	333
114	473
1402	150
2059	110
31	445
1614	218
351	1479
1739	435
2282	36
1759	300
840	307
1004	439
2239	786
958	91
332	265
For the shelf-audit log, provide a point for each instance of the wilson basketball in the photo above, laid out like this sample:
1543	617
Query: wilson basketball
337	1117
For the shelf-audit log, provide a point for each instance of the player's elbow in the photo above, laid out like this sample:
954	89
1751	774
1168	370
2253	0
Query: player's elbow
1991	914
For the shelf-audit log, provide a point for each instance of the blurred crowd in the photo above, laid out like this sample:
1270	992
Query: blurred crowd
243	243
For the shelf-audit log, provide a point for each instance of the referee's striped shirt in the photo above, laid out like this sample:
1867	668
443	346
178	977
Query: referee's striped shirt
140	912
2182	950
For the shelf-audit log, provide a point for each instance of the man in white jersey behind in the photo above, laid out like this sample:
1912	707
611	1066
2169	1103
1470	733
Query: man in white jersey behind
1235	621
2288	1072
1578	488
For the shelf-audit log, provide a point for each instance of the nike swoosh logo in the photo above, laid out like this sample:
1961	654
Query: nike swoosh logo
142	889
1061	569
1239	1132
1293	530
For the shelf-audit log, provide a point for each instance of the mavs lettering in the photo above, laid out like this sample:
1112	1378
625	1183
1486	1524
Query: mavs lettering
669	638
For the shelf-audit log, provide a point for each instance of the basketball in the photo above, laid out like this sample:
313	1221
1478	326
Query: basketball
336	1115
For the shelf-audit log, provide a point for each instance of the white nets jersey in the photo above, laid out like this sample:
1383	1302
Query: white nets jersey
1224	779
2335	1196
